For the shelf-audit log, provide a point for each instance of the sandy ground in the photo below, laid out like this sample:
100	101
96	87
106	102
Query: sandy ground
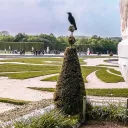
17	89
97	61
5	107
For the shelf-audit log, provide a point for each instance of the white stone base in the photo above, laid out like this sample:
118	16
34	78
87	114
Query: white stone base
123	58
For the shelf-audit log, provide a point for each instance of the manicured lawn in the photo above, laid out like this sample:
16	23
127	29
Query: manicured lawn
115	71
107	77
108	92
20	67
43	89
107	65
27	71
12	101
35	60
85	73
50	60
94	92
101	74
26	75
53	78
87	70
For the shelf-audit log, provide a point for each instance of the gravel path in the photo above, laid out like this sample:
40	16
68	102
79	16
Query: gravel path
6	107
17	89
97	61
100	101
23	110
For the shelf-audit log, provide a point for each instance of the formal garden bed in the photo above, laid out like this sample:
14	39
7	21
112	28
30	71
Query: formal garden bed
64	118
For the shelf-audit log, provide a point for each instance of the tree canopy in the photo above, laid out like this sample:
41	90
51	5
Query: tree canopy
95	43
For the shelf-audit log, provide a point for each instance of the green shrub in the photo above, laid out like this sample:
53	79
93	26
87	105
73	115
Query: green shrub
70	85
110	112
53	119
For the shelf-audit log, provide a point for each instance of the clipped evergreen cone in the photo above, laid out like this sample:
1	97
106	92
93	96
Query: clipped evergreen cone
70	85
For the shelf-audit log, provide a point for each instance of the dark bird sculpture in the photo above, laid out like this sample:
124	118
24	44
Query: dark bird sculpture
72	20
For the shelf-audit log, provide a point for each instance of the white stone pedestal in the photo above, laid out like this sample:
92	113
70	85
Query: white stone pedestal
123	58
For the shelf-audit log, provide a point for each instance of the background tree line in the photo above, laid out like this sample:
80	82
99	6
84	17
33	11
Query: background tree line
95	43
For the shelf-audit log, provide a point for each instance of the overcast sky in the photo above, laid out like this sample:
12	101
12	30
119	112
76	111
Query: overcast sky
93	17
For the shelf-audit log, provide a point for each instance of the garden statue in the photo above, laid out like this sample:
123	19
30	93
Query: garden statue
88	51
123	45
48	50
32	49
9	49
72	28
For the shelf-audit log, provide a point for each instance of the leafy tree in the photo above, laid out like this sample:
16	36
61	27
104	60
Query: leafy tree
20	37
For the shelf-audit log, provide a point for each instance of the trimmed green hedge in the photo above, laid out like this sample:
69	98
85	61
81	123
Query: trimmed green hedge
21	45
70	85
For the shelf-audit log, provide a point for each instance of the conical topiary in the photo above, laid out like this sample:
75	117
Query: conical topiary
70	85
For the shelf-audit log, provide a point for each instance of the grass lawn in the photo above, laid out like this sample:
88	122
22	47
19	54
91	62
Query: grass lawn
53	78
107	65
94	92
43	89
27	71
50	60
101	73
20	67
115	71
12	101
26	75
85	72
107	77
34	60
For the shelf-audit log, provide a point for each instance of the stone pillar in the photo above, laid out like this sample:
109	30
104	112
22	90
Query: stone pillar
123	45
123	58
